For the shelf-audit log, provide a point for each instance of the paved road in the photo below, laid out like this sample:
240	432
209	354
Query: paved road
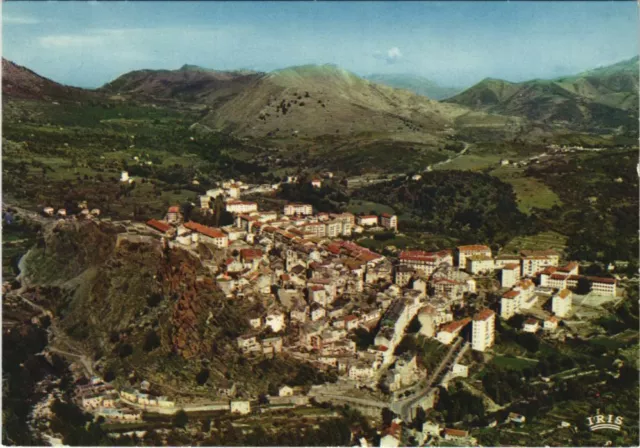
460	154
404	406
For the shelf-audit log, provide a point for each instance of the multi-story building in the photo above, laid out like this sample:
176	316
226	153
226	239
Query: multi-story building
334	228
298	209
450	331
403	275
241	207
389	221
425	262
479	264
510	304
465	252
317	229
556	281
367	220
535	261
208	234
603	286
561	303
510	273
483	330
506	259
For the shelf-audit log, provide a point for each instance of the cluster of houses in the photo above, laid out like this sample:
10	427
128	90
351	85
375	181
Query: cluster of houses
102	399
311	288
311	291
84	212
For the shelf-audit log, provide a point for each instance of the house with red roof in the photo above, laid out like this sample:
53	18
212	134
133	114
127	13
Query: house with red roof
173	216
449	332
208	234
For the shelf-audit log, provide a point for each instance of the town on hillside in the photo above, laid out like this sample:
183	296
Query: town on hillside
319	297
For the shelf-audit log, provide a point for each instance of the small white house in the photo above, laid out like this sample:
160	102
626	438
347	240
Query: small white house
240	407
531	326
285	391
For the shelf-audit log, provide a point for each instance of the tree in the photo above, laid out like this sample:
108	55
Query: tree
387	416
151	341
180	419
202	376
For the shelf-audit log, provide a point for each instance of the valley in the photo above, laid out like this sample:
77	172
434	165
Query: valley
151	256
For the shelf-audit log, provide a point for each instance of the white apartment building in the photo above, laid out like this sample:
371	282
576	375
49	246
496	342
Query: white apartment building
425	262
510	304
561	303
241	207
535	261
298	209
465	252
510	274
603	286
479	264
334	228
367	220
208	234
483	330
389	221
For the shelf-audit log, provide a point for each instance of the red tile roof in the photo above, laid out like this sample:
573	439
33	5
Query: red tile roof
474	248
159	225
610	281
455	432
483	315
511	294
455	326
511	266
250	254
559	277
207	231
417	255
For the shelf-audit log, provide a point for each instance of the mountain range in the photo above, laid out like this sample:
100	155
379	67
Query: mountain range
416	84
606	97
318	100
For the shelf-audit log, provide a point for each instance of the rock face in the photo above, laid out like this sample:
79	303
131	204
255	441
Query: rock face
131	288
195	300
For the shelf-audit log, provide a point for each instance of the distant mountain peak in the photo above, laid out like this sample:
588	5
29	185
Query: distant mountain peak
415	83
598	99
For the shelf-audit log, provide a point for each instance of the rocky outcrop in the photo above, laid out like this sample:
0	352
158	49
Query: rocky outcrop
195	299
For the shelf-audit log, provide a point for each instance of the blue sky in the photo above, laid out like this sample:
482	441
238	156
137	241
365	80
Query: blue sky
456	44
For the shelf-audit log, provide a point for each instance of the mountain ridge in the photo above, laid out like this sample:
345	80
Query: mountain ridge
599	99
415	83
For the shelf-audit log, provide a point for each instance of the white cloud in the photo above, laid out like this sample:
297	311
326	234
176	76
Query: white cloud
391	56
19	20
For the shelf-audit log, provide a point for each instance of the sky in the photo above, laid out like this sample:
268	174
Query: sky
453	43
